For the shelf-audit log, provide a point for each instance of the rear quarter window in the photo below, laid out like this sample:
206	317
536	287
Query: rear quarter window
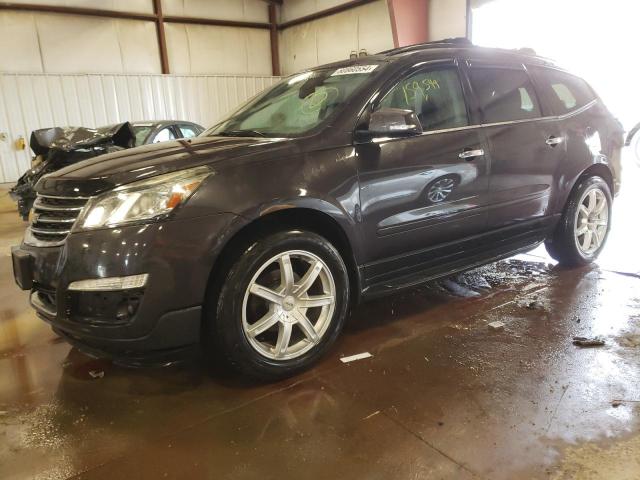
566	92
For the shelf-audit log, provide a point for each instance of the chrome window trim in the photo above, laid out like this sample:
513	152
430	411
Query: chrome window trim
549	117
496	124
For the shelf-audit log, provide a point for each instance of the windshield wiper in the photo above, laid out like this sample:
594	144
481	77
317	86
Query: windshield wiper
242	133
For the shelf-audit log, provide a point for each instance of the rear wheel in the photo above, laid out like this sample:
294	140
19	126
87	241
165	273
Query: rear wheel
282	305
635	148
583	229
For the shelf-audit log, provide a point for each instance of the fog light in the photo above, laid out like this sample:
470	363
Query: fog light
111	283
127	309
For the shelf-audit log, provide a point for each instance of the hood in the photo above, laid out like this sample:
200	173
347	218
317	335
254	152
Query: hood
68	139
99	174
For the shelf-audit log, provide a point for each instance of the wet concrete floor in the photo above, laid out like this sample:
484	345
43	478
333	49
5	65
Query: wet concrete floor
444	395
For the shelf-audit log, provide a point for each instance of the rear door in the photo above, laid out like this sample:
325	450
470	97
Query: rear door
526	145
590	132
426	190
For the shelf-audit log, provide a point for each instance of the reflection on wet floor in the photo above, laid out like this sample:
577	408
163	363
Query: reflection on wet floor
443	396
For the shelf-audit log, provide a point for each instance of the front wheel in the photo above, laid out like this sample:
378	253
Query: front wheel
584	227
283	303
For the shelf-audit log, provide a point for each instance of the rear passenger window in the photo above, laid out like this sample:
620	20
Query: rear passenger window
434	95
565	91
504	94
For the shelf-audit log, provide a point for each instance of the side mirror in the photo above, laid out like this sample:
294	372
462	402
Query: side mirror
393	122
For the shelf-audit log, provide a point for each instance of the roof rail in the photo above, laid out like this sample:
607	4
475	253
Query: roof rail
445	43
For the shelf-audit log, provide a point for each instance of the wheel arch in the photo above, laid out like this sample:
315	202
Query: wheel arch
273	220
597	169
632	133
600	170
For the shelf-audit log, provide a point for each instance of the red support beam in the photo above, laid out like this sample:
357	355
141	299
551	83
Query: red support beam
215	23
273	28
162	41
95	12
92	12
409	21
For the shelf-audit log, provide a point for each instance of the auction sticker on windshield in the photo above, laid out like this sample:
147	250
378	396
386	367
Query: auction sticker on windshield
354	69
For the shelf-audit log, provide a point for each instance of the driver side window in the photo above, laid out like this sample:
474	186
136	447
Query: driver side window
435	96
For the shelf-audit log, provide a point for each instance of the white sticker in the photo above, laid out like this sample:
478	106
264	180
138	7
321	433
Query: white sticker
354	69
353	358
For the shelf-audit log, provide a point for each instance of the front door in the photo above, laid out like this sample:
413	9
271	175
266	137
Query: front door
426	190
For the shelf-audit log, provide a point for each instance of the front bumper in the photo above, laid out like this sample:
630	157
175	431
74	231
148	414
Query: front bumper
165	314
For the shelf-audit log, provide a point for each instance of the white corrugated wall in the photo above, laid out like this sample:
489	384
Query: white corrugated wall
32	101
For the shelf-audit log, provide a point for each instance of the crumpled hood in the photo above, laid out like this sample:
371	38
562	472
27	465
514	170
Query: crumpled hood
68	139
105	172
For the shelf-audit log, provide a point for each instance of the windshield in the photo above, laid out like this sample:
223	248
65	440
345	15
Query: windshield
297	104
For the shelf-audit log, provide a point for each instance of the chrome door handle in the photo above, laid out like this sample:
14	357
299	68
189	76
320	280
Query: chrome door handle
553	141
471	154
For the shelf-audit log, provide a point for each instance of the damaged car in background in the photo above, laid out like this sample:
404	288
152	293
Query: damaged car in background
58	147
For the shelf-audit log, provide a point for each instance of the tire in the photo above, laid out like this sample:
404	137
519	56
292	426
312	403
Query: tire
255	349
570	249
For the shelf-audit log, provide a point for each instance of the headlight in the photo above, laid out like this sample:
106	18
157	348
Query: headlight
142	200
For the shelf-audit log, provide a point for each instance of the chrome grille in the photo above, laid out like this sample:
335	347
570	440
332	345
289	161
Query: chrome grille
53	218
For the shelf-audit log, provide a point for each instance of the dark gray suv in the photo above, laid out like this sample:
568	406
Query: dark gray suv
341	183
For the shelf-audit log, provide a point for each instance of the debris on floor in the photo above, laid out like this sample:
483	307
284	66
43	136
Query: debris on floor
496	326
533	305
588	342
630	340
96	373
371	415
457	289
353	358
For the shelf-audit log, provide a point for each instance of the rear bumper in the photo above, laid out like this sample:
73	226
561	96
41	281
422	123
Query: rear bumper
165	314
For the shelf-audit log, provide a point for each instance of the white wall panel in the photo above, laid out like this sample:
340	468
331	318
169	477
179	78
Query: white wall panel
201	49
73	44
244	10
18	29
32	101
374	27
138	44
293	9
333	38
447	19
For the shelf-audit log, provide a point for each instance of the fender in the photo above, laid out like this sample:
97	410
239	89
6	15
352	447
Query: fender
600	166
631	134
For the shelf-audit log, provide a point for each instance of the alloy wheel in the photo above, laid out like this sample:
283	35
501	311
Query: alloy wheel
440	190
288	305
592	221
